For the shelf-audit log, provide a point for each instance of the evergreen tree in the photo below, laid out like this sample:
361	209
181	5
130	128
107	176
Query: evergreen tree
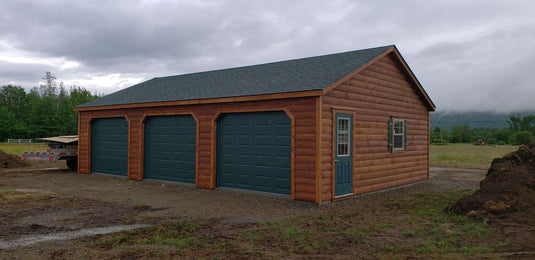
44	111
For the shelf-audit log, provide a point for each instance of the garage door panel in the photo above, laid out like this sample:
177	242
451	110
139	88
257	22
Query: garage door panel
263	161
170	148
282	141
251	153
109	146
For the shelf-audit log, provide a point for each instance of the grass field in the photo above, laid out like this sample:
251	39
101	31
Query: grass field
17	149
467	156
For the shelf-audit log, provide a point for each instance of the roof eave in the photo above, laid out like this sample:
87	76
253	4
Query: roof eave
413	80
299	94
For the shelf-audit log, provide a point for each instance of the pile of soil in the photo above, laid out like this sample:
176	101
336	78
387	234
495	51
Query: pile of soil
11	161
507	192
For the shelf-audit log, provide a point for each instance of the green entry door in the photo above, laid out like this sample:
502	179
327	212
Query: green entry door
170	148
343	155
254	152
109	146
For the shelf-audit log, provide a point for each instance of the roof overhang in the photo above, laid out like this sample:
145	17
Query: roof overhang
299	94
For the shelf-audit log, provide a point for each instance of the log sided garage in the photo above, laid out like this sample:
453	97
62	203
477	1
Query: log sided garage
317	129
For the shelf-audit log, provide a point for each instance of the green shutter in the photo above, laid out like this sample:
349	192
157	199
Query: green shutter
390	134
405	133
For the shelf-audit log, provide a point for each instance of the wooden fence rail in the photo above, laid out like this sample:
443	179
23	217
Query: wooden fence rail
20	141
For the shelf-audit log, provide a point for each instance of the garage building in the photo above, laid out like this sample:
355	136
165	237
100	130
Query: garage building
316	129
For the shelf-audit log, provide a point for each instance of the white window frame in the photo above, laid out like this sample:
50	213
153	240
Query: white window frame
348	133
394	134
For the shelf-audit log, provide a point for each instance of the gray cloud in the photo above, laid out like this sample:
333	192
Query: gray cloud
18	74
473	55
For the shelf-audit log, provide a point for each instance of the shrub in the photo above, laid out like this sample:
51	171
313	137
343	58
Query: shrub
500	142
438	141
522	137
491	141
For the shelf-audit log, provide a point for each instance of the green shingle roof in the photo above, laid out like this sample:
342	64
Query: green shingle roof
314	73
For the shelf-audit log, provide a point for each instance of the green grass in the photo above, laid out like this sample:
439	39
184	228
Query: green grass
416	225
441	233
176	234
8	191
17	149
467	156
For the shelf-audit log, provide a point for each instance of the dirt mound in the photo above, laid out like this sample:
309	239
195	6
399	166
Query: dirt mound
508	190
11	161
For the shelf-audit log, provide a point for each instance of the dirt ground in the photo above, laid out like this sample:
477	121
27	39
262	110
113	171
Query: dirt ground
11	161
57	200
179	201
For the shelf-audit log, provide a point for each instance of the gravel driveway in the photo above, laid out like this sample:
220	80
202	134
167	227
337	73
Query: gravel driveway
178	201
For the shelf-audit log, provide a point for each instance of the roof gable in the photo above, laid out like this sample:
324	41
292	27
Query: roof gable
404	69
307	74
409	75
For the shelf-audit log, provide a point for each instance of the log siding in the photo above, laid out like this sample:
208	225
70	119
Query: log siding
378	93
303	111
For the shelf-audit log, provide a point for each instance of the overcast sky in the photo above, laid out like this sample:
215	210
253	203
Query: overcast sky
468	55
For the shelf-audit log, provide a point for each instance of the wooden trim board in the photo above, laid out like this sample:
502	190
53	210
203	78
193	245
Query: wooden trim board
206	101
319	103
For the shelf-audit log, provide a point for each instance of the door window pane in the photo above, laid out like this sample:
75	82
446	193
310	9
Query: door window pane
342	137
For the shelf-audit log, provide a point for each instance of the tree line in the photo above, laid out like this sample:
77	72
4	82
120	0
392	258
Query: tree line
521	131
44	111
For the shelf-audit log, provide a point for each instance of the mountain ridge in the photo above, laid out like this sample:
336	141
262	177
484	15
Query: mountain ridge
448	119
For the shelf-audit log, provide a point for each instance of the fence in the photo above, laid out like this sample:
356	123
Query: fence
20	141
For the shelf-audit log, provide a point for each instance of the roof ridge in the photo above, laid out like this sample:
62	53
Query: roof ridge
294	75
276	62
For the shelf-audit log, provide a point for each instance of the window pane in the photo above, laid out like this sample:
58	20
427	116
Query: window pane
342	137
343	149
398	127
398	141
342	125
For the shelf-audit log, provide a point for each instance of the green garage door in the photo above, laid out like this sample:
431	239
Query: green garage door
170	148
109	146
254	152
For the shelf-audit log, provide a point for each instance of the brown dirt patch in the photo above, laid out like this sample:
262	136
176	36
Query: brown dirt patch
37	211
8	161
506	196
